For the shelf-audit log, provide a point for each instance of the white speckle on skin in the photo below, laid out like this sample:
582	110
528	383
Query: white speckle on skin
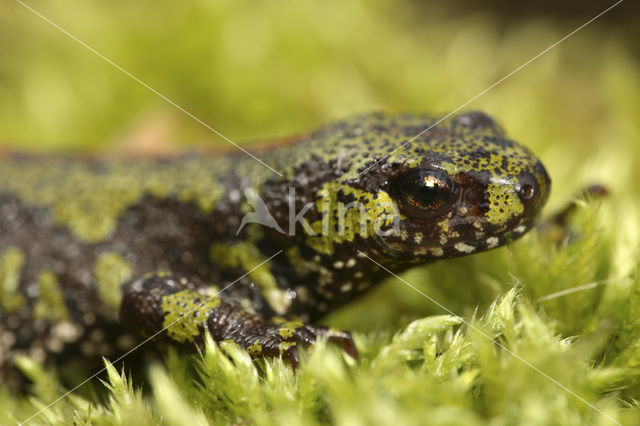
520	229
479	234
492	242
54	345
303	293
66	331
464	248
477	224
358	274
211	291
346	287
137	285
316	258
302	180
325	276
7	339
338	264
38	353
234	195
350	263
291	294
462	211
404	235
437	252
418	237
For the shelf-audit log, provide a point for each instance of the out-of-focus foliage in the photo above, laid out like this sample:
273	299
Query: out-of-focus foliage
259	70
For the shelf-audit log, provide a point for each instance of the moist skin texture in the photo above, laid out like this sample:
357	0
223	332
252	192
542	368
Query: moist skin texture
92	249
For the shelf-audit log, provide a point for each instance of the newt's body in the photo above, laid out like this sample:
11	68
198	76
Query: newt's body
84	243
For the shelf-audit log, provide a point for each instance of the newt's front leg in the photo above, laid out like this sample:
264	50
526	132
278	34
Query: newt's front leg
557	228
175	306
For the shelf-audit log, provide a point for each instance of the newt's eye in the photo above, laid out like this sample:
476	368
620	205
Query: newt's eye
424	193
527	192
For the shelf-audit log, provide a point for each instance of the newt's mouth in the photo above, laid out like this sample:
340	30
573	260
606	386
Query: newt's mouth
410	250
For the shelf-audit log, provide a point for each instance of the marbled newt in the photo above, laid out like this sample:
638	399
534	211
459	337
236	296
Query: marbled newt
135	243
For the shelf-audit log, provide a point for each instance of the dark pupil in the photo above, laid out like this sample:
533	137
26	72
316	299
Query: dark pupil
526	192
426	190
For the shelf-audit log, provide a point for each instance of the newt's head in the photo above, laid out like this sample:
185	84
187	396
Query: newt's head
463	189
458	188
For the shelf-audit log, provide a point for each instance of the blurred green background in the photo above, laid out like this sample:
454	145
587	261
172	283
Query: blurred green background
256	70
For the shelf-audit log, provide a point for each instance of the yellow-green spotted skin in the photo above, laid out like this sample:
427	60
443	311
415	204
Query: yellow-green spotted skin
147	245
